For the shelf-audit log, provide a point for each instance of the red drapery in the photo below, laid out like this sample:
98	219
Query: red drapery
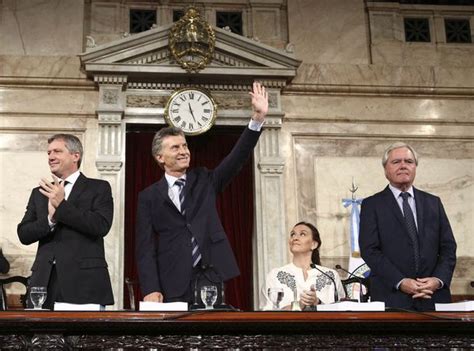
235	204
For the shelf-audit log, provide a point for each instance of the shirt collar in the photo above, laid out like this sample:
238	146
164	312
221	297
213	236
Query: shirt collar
396	192
171	180
73	177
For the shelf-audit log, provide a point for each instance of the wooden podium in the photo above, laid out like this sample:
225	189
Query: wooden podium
201	329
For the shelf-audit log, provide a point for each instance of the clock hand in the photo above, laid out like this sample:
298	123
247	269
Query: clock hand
191	110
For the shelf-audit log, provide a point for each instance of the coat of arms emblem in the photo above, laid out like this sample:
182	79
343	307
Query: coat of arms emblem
192	41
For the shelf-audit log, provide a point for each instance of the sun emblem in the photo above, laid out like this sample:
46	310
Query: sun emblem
192	41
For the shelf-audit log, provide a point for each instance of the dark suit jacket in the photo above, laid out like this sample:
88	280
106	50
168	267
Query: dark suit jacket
163	234
386	247
76	243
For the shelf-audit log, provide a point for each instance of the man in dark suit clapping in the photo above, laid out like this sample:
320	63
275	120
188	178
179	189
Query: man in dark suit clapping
178	228
406	239
69	218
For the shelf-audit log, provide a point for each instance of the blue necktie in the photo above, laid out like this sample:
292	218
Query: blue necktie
411	227
196	254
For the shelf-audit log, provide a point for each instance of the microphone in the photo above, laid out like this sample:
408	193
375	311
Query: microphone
359	280
336	295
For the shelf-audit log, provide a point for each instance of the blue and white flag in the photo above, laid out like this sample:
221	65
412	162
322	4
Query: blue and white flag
357	266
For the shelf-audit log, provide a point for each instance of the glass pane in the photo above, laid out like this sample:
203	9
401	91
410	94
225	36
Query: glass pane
417	30
141	20
232	20
457	31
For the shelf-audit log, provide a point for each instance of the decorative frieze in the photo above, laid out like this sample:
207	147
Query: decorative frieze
235	85
226	101
269	167
110	79
227	60
108	166
154	57
146	100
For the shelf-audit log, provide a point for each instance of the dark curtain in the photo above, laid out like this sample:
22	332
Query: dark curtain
235	204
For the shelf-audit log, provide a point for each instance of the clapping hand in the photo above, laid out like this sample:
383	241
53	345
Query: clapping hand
53	191
308	298
55	194
259	102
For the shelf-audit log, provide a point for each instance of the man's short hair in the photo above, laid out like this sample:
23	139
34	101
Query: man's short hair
73	144
157	143
398	145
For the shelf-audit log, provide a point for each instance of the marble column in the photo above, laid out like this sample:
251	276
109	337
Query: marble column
109	163
270	249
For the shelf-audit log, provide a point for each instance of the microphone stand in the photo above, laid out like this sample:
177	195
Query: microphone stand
359	280
222	306
336	295
195	304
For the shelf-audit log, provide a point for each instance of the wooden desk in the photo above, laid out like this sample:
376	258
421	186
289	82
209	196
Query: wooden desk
92	330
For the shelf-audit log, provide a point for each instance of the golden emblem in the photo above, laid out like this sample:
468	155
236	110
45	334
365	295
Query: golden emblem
192	41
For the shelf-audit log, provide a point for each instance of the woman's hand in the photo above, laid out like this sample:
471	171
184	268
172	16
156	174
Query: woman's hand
309	297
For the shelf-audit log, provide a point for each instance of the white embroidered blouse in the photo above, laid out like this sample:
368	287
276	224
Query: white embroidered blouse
291	279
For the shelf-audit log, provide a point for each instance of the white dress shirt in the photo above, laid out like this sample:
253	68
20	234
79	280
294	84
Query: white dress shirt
411	200
67	190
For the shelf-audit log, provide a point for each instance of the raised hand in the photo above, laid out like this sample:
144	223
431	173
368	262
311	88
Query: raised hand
259	102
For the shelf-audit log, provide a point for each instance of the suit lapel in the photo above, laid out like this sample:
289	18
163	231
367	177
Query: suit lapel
420	205
163	193
189	203
79	186
393	206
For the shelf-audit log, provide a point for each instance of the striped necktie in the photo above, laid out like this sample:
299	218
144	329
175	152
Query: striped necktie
411	227
180	183
196	254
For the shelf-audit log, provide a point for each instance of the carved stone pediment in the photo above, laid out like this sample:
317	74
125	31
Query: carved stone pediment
146	57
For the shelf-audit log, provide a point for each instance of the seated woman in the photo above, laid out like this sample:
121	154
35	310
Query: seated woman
298	280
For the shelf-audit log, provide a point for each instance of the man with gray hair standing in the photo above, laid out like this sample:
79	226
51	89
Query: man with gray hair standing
69	218
179	236
406	239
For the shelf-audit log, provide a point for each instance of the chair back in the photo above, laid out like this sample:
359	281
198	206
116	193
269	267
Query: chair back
349	283
3	293
131	284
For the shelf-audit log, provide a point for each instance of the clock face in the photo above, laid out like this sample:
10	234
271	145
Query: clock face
192	110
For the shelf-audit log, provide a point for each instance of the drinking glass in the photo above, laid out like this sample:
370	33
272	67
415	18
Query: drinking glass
38	296
209	296
275	295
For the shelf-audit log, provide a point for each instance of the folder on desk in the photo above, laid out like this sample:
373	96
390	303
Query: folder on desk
163	306
353	306
463	306
63	306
